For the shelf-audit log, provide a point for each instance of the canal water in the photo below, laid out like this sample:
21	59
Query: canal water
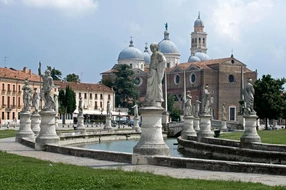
127	146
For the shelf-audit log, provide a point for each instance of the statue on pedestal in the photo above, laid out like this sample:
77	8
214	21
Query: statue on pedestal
36	100
206	100
80	112
46	91
249	98
56	103
27	96
135	110
197	107
108	110
154	93
188	104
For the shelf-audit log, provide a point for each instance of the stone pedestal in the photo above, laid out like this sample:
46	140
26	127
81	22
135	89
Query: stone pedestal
188	130
165	120
250	133
80	125
205	127
47	133
25	127
107	125
241	121
57	122
151	141
35	123
196	124
223	126
136	126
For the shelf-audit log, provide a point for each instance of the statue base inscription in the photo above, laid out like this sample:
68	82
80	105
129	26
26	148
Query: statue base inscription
188	130
47	133
25	127
250	134
205	127
151	141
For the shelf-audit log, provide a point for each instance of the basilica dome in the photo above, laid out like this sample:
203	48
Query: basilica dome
146	55
193	58
202	56
166	46
131	53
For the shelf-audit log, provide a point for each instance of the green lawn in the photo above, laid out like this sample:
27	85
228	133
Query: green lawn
267	136
7	133
17	172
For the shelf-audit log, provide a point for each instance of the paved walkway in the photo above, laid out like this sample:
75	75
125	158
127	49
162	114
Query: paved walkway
9	145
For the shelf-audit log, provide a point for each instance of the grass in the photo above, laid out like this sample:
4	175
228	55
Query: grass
17	172
7	133
267	136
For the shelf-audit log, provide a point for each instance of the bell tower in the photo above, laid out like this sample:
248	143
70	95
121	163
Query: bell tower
198	37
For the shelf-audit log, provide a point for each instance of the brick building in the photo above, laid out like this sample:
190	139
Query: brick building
223	75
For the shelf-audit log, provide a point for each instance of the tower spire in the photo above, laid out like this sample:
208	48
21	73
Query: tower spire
131	42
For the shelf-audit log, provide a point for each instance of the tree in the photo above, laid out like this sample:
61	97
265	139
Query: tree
268	99
126	93
107	82
56	74
72	78
67	101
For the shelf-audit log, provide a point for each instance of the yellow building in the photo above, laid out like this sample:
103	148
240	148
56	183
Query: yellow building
12	81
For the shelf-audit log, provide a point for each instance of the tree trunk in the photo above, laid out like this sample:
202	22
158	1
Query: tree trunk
266	124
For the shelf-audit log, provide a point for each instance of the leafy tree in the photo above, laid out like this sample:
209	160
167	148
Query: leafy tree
56	74
107	82
67	101
268	99
174	112
126	92
72	78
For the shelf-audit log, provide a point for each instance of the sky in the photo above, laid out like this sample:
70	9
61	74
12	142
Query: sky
85	37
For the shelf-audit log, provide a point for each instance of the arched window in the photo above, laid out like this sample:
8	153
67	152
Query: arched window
177	79
203	40
199	40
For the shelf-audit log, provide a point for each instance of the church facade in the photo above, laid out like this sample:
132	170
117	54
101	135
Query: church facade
224	76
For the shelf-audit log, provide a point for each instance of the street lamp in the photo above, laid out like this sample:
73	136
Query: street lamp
119	119
100	117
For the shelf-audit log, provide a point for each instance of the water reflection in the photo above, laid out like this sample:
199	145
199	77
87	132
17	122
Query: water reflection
127	146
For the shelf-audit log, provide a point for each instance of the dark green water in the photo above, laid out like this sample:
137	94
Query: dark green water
127	146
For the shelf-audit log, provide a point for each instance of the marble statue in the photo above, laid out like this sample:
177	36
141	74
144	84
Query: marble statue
46	91
223	112
135	110
188	104
27	96
56	99
197	107
80	112
36	100
154	93
206	100
108	109
249	97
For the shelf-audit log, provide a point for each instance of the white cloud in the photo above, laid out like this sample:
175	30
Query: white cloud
232	16
68	7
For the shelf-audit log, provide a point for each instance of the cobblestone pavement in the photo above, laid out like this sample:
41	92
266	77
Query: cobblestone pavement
9	145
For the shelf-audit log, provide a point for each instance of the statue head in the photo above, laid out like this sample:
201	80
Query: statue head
250	80
154	47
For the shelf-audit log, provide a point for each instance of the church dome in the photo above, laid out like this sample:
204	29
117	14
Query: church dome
202	56
166	46
131	53
146	55
199	22
193	58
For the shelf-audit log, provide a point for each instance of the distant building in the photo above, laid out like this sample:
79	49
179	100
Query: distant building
94	99
223	75
12	81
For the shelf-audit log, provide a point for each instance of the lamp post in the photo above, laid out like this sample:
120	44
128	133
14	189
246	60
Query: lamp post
100	117
119	119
